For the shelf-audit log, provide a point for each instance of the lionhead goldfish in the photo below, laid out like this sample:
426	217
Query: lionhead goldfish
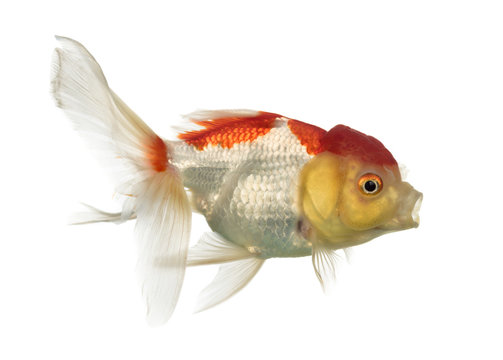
268	186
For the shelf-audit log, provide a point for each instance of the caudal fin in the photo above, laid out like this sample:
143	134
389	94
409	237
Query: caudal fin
93	215
149	187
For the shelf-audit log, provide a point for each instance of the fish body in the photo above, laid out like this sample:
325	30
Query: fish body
246	189
268	186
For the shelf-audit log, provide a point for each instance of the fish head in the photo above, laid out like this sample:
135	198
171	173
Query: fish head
352	191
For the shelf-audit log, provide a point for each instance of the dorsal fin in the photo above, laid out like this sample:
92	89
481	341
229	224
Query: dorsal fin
228	127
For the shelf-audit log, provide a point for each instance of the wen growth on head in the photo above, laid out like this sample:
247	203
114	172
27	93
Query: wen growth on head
268	186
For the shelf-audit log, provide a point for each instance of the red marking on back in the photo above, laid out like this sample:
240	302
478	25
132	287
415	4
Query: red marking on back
230	130
345	141
157	153
309	135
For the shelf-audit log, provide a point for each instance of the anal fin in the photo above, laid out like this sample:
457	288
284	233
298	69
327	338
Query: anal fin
238	268
231	278
212	248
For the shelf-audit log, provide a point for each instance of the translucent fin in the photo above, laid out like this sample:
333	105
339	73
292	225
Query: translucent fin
212	248
163	232
130	149
206	115
325	263
195	120
231	278
94	215
151	187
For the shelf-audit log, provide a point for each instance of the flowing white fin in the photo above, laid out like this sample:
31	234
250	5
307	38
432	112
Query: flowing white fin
325	264
150	186
231	278
192	119
206	115
113	130
212	248
162	232
93	215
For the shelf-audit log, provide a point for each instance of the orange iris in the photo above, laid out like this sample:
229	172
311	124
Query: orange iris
370	184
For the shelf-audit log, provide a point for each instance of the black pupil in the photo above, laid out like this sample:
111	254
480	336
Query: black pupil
370	186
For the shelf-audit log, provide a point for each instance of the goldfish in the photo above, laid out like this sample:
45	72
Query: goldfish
268	186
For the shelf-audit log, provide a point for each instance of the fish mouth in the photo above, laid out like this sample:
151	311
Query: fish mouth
407	215
415	210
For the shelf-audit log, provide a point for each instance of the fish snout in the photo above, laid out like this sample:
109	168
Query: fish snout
417	201
407	213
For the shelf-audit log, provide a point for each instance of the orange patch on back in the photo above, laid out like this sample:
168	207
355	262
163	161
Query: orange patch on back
230	130
309	135
157	154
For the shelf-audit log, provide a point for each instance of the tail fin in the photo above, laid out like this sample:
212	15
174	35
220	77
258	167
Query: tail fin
148	185
93	215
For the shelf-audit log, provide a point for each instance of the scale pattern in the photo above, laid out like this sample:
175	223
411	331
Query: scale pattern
247	192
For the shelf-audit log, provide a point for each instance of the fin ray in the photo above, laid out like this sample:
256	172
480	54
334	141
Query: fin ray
325	264
230	279
162	232
94	215
131	150
212	248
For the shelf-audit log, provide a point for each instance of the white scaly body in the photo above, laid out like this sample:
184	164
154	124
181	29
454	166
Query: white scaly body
247	193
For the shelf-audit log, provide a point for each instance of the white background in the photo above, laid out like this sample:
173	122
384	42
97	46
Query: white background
424	77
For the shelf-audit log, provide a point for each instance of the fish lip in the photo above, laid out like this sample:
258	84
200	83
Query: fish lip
407	215
415	210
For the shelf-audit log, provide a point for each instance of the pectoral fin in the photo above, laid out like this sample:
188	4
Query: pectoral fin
325	264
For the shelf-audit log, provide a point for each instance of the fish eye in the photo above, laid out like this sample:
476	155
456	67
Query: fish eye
370	184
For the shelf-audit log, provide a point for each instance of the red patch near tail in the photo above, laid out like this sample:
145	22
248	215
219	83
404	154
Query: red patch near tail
309	135
230	130
345	141
157	154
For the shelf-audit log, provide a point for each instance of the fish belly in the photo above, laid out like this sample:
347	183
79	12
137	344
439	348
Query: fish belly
247	192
